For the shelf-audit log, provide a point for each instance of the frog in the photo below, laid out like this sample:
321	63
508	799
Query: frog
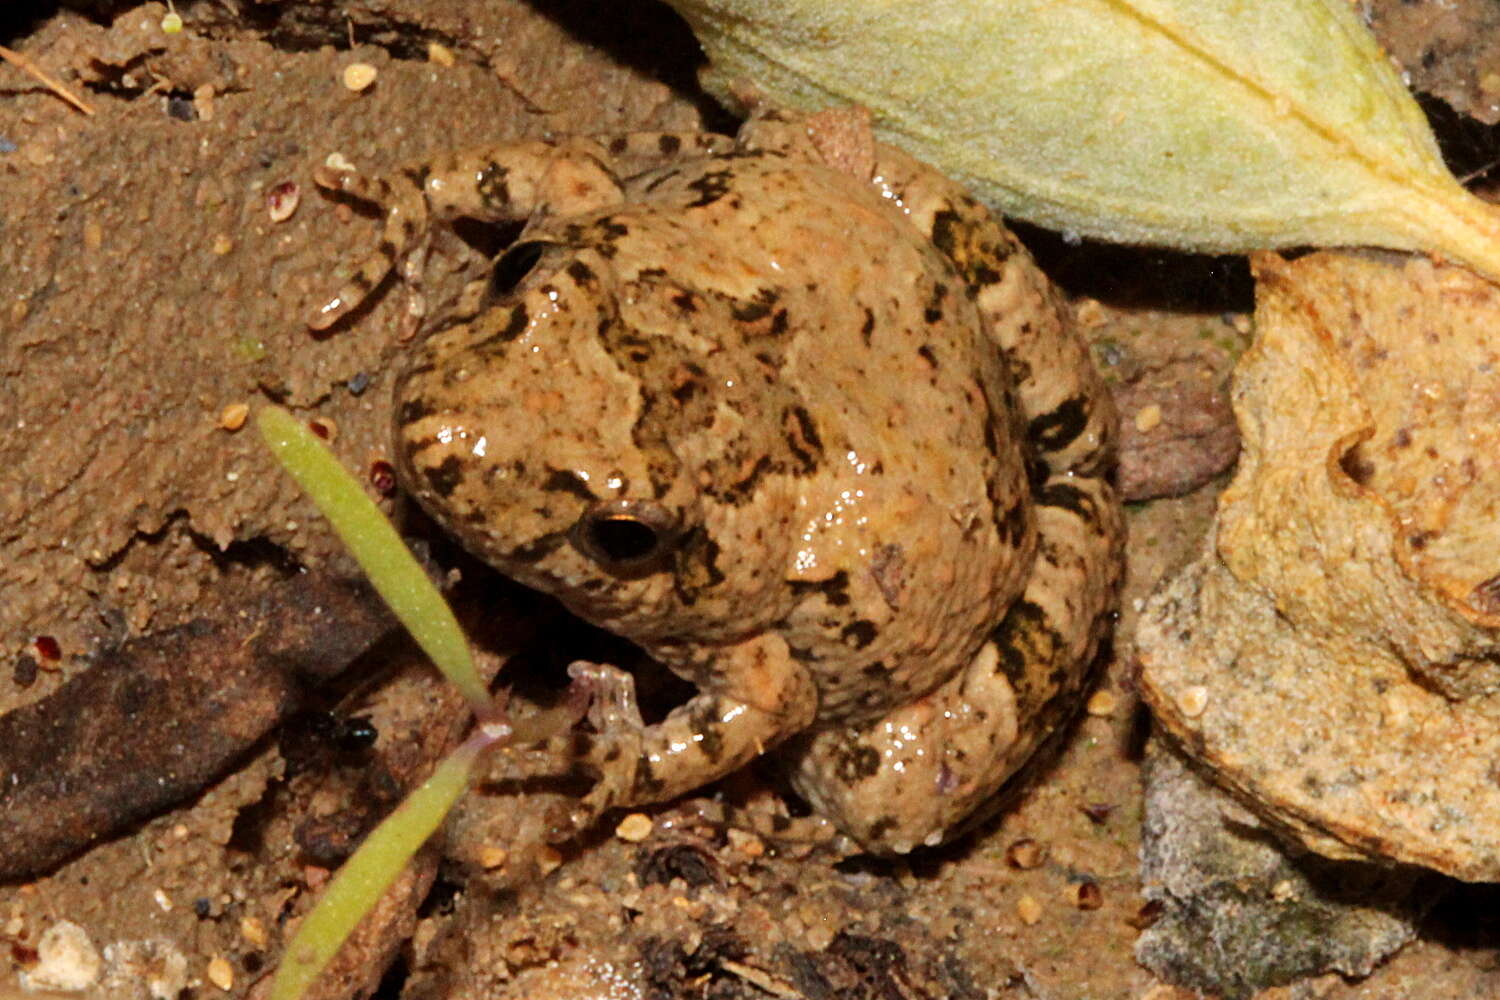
798	417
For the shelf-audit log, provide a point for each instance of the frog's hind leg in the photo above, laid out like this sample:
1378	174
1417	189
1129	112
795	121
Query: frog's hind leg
916	775
925	772
1070	415
492	184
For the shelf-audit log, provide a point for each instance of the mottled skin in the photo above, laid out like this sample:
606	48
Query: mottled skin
818	441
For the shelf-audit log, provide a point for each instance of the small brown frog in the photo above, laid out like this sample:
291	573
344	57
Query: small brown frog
812	434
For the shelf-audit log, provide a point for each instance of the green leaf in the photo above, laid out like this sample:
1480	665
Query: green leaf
371	870
379	551
1216	125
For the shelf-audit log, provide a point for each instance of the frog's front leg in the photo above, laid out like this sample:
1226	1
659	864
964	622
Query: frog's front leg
759	697
925	772
492	184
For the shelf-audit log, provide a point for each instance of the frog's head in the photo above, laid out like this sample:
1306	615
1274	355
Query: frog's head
558	438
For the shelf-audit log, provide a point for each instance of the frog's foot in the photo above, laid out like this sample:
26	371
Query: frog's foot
924	773
700	741
405	239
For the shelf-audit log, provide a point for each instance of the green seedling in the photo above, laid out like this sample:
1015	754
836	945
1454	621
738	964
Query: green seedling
378	549
397	577
372	869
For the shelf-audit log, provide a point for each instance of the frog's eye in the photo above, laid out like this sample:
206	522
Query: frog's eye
519	260
627	538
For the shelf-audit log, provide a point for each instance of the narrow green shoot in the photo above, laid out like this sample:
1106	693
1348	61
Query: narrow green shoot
372	869
374	543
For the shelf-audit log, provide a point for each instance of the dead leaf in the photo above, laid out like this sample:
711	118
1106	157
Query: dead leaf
1213	125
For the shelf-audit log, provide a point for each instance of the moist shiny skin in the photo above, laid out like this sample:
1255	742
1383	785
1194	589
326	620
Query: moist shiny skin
807	427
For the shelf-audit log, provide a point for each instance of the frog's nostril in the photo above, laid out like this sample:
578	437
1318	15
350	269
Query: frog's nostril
626	537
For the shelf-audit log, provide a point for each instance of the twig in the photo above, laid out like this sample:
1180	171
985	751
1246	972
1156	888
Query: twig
25	64
761	978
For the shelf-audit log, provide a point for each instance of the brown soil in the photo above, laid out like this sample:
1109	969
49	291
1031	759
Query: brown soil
145	288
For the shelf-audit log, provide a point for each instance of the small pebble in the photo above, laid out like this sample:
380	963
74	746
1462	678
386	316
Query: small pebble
1086	895
383	476
634	828
1029	910
221	973
1101	704
162	900
1089	313
222	244
282	200
1025	854
548	859
1149	913
6	146
253	931
25	670
233	416
1193	701
67	960
440	54
746	843
203	102
1098	812
324	427
358	76
1148	418
492	857
47	649
337	161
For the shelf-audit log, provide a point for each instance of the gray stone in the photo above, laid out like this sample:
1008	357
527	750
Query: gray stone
1240	912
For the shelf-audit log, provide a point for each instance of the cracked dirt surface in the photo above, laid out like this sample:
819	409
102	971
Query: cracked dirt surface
145	290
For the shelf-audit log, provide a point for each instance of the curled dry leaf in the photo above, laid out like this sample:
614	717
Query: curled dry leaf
1342	617
1205	124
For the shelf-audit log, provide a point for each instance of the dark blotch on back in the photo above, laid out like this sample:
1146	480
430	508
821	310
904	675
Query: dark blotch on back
564	481
857	762
494	185
445	476
539	548
858	635
1061	427
711	186
513	328
1069	497
835	589
802	438
412	410
945	229
581	272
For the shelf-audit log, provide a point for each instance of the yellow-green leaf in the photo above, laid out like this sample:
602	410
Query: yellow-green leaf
1220	125
370	871
377	548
